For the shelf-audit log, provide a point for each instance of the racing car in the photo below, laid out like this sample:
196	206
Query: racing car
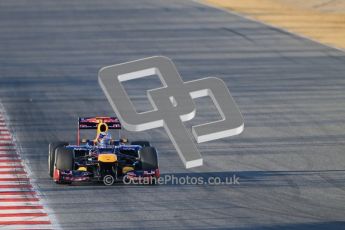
102	159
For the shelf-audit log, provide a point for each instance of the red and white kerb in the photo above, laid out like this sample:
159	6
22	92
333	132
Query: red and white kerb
19	203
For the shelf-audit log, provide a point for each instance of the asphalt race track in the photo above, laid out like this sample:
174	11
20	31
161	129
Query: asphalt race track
290	158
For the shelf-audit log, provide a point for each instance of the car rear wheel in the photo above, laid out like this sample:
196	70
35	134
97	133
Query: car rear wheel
149	158
64	158
149	161
51	155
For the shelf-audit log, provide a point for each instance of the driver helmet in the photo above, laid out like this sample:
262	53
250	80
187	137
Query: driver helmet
104	139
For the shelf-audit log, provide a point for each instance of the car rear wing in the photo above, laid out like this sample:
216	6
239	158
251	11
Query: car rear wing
93	122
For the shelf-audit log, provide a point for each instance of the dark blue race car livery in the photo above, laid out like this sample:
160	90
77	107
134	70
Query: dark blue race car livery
103	158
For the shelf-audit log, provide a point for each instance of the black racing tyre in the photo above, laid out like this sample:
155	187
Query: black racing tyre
148	158
51	155
64	158
141	143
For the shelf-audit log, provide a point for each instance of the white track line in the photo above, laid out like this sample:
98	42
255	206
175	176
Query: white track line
21	211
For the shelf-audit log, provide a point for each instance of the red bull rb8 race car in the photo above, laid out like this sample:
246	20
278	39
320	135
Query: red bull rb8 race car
102	159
